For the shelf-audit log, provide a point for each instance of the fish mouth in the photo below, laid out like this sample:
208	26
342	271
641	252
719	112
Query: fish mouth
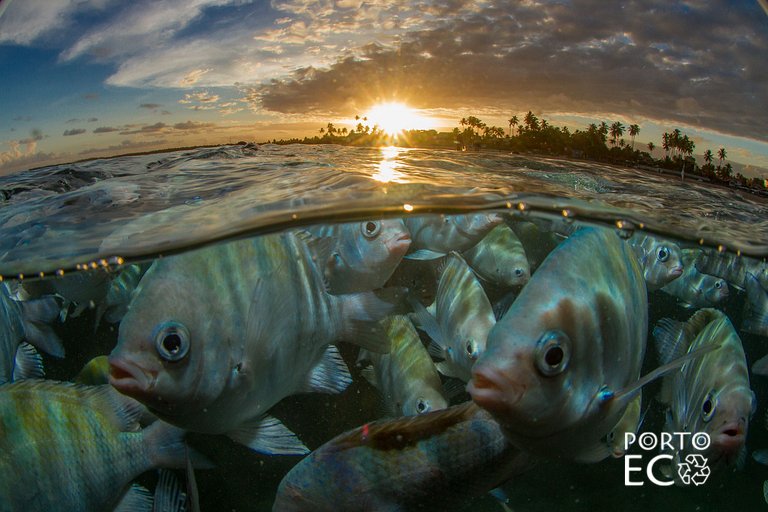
731	438
399	245
493	390
676	271
130	379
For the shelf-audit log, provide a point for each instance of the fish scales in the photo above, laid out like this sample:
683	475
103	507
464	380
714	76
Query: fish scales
425	463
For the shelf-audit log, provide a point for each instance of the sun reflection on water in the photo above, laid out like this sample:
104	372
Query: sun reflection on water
386	171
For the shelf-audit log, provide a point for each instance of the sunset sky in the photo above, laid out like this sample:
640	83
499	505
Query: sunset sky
89	78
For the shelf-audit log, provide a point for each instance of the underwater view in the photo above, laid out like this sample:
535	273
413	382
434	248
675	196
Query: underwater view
362	256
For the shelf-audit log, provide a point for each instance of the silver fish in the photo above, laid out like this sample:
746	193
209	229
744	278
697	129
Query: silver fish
562	365
662	260
69	447
365	255
431	461
463	317
695	289
215	337
756	307
406	376
499	258
709	394
18	359
731	267
434	236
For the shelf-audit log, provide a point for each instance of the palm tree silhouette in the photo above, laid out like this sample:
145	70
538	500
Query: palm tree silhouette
633	130
617	130
651	147
708	156
721	154
512	122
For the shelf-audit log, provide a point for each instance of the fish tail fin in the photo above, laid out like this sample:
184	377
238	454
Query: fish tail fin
361	313
169	495
167	448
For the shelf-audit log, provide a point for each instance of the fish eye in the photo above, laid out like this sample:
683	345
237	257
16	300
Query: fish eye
718	284
422	406
518	272
663	254
471	349
610	436
371	228
708	407
172	341
553	353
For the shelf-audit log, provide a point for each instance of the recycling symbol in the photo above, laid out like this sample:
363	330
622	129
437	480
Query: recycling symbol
694	470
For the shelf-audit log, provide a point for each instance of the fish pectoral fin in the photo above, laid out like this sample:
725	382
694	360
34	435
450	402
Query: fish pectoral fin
330	375
168	492
361	313
454	388
269	436
424	254
136	499
28	363
428	323
671	341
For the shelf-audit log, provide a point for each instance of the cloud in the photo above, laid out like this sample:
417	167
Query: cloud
200	100
193	77
74	131
125	145
92	96
192	125
106	129
150	106
21	155
152	128
78	120
22	118
26	21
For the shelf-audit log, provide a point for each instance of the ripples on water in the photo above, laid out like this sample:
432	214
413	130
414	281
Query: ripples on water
109	212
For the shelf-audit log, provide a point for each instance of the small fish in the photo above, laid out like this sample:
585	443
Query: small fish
434	236
563	363
629	423
365	255
499	258
709	394
462	318
697	290
71	447
18	359
729	266
755	307
431	461
115	303
406	376
214	338
662	260
537	240
95	372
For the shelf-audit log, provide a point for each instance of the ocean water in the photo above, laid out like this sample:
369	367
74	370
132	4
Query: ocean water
87	222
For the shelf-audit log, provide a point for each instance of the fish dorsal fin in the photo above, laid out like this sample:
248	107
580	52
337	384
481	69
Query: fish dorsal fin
169	496
136	499
674	338
400	433
321	248
628	393
330	375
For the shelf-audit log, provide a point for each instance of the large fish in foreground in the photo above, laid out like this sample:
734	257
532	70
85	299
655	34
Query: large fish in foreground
428	462
365	253
562	365
69	447
214	338
709	394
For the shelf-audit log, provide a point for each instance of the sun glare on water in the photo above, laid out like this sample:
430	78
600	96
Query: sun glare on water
393	118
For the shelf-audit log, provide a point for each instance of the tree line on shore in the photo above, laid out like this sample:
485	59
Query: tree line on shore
599	142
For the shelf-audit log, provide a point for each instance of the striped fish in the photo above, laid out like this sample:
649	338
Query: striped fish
365	253
694	289
562	365
69	447
729	266
463	316
427	462
709	394
215	337
499	258
662	260
18	359
406	376
756	307
434	236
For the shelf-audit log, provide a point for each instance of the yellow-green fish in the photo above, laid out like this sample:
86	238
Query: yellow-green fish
711	393
662	260
215	337
499	258
433	461
562	365
629	423
406	376
70	447
463	316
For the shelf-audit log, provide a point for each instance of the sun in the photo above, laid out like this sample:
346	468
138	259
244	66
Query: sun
393	118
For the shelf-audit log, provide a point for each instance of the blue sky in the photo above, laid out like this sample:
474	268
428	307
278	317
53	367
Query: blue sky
93	78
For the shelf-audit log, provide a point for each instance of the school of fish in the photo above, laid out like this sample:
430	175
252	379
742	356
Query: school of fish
524	340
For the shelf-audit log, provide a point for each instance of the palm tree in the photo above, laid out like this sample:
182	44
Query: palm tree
512	122
603	131
331	129
676	141
617	130
721	154
665	143
651	147
633	130
708	156
531	121
322	131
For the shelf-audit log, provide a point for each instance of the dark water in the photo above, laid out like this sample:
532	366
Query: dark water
107	214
